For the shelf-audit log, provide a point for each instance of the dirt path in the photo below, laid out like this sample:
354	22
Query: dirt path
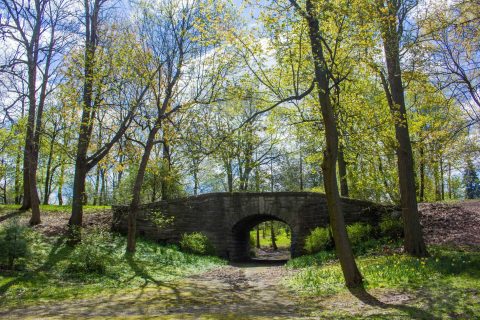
248	291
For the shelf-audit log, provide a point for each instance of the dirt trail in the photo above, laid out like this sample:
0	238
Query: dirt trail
247	291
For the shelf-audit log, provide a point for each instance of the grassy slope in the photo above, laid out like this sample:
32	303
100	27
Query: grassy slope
445	285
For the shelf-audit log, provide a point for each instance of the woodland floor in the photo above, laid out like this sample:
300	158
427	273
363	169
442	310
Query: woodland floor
258	290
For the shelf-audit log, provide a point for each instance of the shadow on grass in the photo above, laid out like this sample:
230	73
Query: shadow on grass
413	312
56	254
147	278
140	271
11	215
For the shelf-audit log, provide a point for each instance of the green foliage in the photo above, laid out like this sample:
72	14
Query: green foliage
13	244
160	219
391	227
317	259
197	243
318	240
359	232
92	255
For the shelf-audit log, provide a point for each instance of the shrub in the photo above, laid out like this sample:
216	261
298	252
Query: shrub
318	240
391	227
316	259
13	244
198	243
93	254
359	232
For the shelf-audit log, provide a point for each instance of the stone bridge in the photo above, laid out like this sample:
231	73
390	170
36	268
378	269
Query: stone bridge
227	218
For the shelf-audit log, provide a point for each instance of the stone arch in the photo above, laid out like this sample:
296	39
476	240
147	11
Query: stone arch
238	244
224	216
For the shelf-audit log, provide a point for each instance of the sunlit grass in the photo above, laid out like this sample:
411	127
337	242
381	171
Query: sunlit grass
54	208
46	276
445	285
445	265
282	239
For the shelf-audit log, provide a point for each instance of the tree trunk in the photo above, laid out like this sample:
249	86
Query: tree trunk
18	197
422	175
27	201
449	180
442	184
35	201
47	188
414	244
103	189
154	187
273	237
352	275
30	184
195	179
272	182
136	192
436	175
166	179
228	167
342	170
76	219
97	185
60	183
258	236
301	171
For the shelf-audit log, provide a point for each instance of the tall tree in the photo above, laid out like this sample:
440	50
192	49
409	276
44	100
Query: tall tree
170	31
392	17
112	79
33	27
344	251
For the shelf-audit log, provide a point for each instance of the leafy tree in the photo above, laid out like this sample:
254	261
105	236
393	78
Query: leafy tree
392	16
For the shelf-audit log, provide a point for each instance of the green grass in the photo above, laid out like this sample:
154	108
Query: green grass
447	284
46	275
282	239
55	208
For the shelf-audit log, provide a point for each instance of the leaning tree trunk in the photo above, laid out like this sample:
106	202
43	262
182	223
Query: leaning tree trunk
136	192
414	243
352	275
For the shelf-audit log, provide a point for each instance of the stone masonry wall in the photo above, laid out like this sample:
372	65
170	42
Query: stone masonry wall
226	218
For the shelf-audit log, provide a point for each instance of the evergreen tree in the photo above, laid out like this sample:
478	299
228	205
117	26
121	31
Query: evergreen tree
472	182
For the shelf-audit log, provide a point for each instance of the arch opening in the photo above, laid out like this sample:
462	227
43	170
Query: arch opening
270	241
243	244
